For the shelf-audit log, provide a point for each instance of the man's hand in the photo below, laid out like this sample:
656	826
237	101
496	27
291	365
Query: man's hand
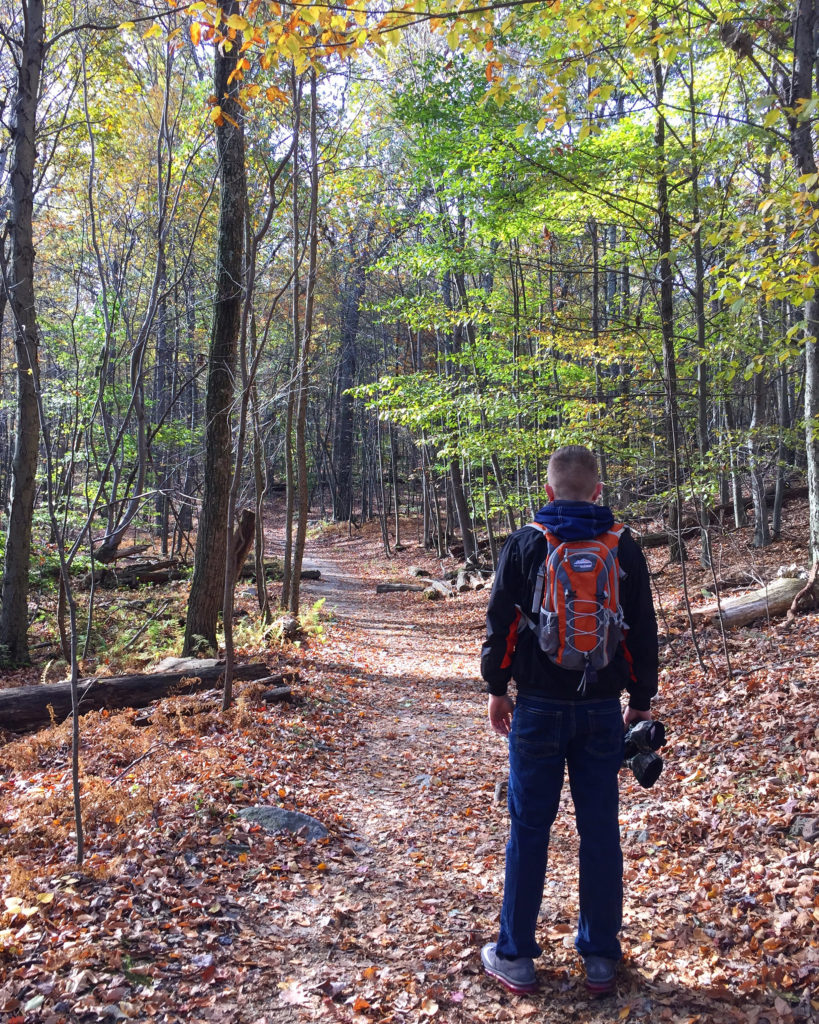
632	715
500	714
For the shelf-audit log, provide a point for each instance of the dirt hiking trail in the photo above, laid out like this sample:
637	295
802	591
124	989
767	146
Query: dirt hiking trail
413	791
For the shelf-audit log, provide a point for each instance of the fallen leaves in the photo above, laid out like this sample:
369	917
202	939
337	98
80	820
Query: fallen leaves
183	909
293	993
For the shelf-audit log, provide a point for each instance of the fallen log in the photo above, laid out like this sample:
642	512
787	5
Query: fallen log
137	549
145	576
278	680
136	575
436	589
663	539
772	600
789	494
470	580
717	513
392	588
275	571
276	694
652	509
109	575
30	707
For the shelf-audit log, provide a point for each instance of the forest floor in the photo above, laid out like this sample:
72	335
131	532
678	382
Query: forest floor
184	912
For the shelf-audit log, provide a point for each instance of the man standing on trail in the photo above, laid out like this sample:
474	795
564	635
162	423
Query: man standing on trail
565	716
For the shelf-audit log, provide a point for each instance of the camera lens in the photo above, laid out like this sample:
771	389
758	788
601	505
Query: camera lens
646	768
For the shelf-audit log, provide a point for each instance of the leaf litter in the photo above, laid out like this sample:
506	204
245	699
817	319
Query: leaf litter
185	912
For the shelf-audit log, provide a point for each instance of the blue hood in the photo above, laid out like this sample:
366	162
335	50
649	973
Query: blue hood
575	520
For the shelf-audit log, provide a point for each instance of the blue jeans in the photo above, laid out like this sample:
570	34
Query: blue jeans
588	737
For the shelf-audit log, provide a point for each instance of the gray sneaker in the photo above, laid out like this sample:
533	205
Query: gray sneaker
517	975
600	973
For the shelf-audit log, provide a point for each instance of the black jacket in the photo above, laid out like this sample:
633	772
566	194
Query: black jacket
511	649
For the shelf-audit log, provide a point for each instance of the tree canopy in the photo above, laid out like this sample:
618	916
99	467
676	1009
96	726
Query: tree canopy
461	235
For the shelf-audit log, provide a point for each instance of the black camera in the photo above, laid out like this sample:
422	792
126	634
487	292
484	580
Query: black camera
642	740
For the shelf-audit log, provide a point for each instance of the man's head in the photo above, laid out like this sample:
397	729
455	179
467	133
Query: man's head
573	475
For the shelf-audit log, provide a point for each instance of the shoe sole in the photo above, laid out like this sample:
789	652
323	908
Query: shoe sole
521	990
599	989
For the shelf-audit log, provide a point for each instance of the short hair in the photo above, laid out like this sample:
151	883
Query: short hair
573	473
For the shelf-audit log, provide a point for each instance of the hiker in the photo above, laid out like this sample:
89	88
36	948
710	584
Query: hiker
565	716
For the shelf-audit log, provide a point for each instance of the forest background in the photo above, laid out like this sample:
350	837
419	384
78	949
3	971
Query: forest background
268	265
390	258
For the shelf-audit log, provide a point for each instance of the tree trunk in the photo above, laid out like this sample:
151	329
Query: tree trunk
462	510
762	533
14	611
343	437
394	477
295	287
163	384
740	519
504	496
304	362
595	330
782	453
261	480
207	586
804	159
812	412
676	549
703	440
378	471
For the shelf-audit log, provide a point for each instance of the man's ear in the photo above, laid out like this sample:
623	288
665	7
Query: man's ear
597	492
550	492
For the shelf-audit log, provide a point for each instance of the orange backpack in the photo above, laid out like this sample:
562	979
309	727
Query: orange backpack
576	607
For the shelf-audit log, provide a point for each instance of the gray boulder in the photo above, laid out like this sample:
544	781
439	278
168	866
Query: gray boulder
278	819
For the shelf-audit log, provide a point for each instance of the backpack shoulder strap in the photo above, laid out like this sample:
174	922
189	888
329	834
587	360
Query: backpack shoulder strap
611	538
547	533
540	582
